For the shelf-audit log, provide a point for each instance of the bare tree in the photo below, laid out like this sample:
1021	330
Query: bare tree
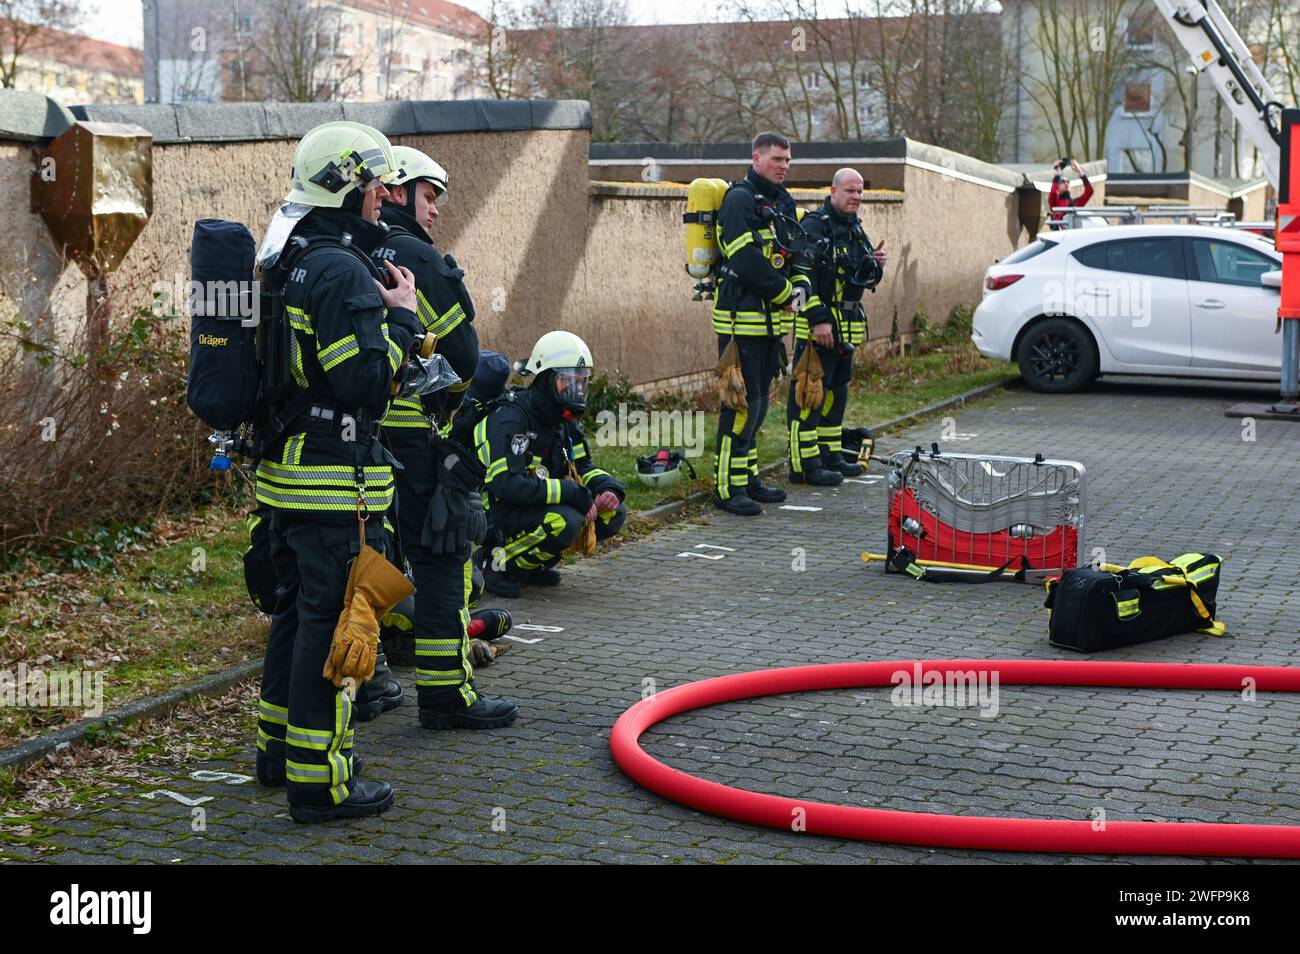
497	60
24	30
305	51
1082	57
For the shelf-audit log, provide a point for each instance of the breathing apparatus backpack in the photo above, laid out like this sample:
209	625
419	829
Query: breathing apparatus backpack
240	340
704	198
703	251
224	375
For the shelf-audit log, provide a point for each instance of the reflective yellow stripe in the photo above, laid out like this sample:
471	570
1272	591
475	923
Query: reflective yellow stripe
449	320
406	412
731	248
276	715
338	352
318	739
299	320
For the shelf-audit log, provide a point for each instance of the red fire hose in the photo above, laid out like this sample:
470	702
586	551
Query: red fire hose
952	831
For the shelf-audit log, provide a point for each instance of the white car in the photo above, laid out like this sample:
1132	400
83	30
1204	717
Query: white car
1178	300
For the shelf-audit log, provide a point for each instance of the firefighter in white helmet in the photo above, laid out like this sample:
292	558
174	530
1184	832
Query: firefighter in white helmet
323	471
440	483
544	490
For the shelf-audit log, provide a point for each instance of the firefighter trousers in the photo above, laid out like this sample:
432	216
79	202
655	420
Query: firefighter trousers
302	718
815	432
737	448
536	539
443	672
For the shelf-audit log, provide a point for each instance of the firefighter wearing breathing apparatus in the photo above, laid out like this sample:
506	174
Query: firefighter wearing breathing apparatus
756	229
325	477
831	324
438	520
545	494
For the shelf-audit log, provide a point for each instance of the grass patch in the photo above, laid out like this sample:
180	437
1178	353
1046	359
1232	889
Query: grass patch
170	611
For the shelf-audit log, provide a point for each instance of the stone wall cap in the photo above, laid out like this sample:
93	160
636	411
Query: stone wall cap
242	122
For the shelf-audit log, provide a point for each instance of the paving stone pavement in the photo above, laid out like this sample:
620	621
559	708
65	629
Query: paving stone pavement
1167	473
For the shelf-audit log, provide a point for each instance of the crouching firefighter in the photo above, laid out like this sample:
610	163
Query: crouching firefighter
751	315
827	329
323	473
545	494
439	516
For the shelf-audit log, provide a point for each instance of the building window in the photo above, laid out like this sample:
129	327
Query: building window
1137	98
1140	33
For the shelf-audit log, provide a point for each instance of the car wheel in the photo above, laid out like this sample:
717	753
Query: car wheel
1057	355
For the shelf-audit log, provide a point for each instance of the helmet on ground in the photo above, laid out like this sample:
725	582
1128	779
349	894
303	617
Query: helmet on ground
566	357
335	159
663	468
413	165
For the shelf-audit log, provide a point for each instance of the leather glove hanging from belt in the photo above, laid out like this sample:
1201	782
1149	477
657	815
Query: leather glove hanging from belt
375	586
454	522
809	391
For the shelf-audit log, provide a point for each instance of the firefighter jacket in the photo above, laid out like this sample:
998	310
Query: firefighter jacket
525	446
752	293
442	304
833	295
344	350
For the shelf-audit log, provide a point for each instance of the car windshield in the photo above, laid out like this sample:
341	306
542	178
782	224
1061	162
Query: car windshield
1037	247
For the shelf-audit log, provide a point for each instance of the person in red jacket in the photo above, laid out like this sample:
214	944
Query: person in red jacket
1060	197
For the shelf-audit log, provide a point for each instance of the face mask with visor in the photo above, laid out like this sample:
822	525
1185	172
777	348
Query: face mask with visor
571	389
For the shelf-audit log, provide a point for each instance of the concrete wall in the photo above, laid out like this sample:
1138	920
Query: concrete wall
543	246
516	217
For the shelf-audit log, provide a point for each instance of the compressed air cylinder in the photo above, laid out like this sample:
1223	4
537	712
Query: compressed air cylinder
703	199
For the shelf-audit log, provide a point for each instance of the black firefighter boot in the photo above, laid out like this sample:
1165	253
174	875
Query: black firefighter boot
379	693
364	798
762	493
447	710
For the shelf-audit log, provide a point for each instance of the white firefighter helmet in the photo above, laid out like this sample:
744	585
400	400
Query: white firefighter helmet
557	350
334	159
663	468
567	357
413	165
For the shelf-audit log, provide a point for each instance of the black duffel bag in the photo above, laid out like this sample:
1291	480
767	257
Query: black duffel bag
1093	609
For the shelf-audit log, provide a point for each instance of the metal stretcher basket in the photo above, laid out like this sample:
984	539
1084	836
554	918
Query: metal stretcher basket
977	512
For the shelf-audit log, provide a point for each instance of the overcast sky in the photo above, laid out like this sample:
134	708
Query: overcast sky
121	21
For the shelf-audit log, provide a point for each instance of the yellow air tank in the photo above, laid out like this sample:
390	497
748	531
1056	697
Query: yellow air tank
703	199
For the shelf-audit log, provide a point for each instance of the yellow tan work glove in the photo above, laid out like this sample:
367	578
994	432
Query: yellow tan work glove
375	586
808	373
585	544
731	380
482	652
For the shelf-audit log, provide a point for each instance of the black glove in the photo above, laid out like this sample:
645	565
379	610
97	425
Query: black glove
452	523
478	523
573	494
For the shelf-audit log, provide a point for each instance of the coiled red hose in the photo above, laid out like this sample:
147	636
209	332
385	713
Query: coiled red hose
952	831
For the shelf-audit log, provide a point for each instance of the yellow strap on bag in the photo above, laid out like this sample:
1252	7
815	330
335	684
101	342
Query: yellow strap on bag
1142	564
